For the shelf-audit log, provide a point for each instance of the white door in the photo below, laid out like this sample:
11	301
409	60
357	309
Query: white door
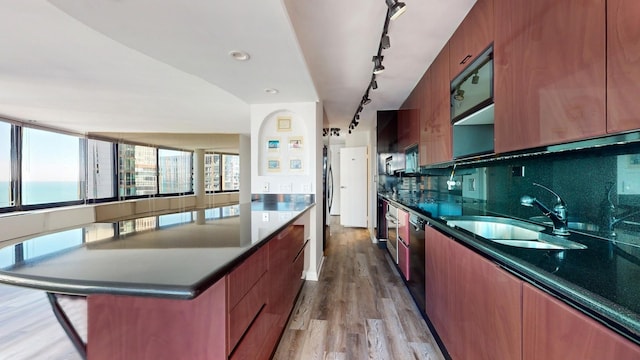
335	173
353	186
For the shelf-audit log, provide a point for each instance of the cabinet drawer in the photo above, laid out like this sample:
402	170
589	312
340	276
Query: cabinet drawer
244	277
241	316
259	341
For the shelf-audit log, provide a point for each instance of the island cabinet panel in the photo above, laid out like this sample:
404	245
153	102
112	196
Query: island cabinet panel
129	327
438	121
243	278
474	305
247	294
555	331
623	65
266	308
473	36
549	62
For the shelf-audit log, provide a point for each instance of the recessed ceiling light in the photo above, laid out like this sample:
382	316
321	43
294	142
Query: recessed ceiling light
239	55
271	91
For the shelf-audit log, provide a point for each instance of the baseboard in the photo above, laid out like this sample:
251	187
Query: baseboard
373	238
315	275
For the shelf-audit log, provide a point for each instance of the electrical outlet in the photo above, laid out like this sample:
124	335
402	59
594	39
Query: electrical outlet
265	187
285	188
265	216
517	171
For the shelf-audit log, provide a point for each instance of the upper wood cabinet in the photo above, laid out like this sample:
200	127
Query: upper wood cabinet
549	62
409	121
438	121
423	116
474	34
554	331
623	65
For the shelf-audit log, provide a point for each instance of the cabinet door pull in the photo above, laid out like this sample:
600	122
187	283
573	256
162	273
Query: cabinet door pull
466	58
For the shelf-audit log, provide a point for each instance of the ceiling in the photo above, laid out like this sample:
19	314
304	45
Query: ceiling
146	66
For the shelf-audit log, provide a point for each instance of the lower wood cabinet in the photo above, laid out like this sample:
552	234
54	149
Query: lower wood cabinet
133	327
474	305
258	319
480	311
554	331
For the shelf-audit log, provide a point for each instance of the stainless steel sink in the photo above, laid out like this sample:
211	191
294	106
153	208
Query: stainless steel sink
511	232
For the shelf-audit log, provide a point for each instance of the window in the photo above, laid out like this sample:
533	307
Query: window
230	172
175	171
212	172
100	174
137	170
50	167
6	199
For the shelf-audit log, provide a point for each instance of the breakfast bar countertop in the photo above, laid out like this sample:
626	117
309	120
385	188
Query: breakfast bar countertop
177	255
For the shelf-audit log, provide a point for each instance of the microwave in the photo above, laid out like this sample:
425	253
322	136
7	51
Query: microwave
472	108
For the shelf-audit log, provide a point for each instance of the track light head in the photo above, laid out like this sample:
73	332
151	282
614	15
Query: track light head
385	42
378	68
366	100
475	79
374	84
396	8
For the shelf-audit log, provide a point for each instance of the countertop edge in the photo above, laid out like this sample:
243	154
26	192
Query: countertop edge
177	292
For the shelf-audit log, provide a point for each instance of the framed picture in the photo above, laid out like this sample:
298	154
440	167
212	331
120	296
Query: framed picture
284	123
273	145
295	164
273	165
295	143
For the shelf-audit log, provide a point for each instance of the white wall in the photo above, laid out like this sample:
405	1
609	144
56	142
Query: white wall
306	123
245	168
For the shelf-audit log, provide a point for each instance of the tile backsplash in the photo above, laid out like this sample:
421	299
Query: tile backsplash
595	183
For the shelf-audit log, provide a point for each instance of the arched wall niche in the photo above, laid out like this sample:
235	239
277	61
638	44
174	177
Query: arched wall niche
283	145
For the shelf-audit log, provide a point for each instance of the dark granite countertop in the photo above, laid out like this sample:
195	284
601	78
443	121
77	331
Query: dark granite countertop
602	280
176	255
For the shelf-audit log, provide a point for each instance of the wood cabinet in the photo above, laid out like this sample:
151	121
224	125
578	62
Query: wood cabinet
623	65
246	295
438	123
435	112
409	121
473	36
553	330
439	276
474	305
549	62
403	243
278	288
173	329
424	114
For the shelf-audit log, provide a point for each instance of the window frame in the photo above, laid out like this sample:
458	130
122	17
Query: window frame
220	170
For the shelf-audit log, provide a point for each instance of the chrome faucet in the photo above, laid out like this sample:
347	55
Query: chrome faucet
610	210
558	215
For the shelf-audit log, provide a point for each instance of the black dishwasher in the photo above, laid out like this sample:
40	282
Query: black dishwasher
416	281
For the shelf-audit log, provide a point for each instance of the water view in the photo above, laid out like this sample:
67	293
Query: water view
42	192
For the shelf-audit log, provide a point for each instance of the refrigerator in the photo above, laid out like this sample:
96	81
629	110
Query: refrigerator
327	195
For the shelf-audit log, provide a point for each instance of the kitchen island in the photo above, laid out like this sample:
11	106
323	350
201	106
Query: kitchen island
182	285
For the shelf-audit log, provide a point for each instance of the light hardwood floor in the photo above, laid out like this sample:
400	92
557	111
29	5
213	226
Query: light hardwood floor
359	309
